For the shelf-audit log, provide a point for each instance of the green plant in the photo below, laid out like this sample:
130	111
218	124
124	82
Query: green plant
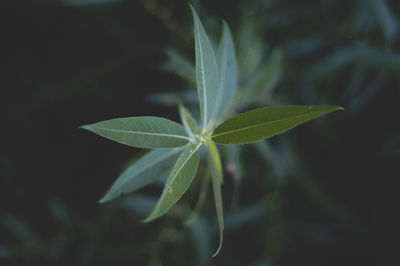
217	82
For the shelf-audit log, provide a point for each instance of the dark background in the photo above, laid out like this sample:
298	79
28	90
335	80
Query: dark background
67	63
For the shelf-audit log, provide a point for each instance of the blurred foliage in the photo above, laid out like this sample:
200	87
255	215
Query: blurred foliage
323	194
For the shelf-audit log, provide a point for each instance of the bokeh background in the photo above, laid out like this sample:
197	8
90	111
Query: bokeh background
325	193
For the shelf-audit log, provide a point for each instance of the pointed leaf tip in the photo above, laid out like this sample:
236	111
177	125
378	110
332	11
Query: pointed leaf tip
219	248
103	200
216	182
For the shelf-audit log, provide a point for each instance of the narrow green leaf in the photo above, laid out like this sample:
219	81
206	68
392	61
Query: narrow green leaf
215	178
260	86
206	71
228	71
251	46
143	132
266	122
144	171
213	150
178	181
234	166
188	121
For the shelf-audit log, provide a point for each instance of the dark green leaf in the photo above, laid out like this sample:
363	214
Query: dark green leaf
266	122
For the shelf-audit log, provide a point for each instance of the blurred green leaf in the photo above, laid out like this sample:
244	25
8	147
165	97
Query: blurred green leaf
379	59
234	166
180	65
202	197
17	227
386	18
178	181
251	48
201	235
266	122
228	71
334	61
365	97
259	88
146	170
143	132
206	72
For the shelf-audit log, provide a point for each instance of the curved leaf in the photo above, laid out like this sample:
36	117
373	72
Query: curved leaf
266	122
144	171
216	181
206	71
143	132
178	181
228	71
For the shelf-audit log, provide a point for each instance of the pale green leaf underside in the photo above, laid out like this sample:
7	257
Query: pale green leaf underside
143	132
178	181
144	171
216	181
188	121
206	71
228	71
266	122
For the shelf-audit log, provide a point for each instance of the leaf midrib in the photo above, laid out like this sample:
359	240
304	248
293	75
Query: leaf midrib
260	125
185	162
141	132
